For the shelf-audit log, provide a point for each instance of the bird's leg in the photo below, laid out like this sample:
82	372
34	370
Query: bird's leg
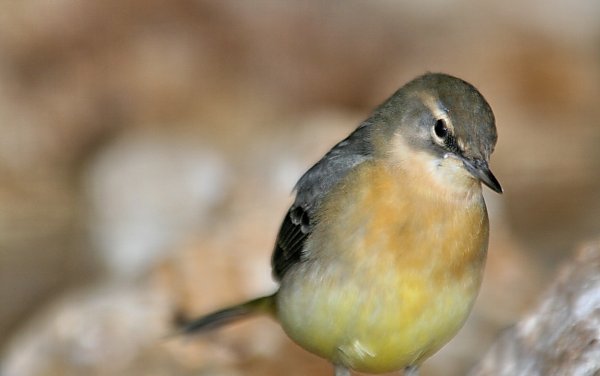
341	371
411	371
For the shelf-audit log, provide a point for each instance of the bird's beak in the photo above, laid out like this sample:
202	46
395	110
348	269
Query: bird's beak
479	168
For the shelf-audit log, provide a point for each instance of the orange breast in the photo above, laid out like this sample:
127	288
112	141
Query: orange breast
393	272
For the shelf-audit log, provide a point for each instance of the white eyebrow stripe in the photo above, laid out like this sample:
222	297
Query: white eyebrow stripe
437	109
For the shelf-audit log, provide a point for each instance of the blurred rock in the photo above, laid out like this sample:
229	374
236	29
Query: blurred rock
148	191
96	331
120	326
561	336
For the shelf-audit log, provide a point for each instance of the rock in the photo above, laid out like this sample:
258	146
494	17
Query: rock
561	336
95	331
148	191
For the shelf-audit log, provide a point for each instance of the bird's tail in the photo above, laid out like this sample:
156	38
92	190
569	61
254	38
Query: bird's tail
262	305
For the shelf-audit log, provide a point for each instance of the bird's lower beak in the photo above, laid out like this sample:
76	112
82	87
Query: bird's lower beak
480	169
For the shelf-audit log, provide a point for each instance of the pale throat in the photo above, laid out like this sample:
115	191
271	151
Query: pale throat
444	176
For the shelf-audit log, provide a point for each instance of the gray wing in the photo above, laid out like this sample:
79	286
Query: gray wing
312	187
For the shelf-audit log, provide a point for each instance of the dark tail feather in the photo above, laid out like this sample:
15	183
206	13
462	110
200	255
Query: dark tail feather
225	316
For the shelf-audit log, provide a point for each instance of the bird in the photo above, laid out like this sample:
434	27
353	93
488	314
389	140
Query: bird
381	255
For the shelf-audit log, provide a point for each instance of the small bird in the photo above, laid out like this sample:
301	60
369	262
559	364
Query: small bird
381	255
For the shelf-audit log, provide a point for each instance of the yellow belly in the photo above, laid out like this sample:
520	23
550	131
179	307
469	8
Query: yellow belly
391	276
373	327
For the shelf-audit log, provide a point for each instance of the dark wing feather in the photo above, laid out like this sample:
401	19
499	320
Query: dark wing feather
290	242
312	187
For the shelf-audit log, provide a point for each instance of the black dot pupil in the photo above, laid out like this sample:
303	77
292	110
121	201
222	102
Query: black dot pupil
440	129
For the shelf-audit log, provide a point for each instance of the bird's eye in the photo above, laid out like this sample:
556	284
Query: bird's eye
440	129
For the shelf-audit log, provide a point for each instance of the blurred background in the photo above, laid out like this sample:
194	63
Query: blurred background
148	150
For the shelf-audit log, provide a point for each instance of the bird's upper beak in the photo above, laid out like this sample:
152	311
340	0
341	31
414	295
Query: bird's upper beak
479	168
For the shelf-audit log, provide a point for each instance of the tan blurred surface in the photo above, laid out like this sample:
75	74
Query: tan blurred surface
148	150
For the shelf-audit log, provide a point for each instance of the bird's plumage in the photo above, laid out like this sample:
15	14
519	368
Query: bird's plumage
310	190
375	292
381	255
